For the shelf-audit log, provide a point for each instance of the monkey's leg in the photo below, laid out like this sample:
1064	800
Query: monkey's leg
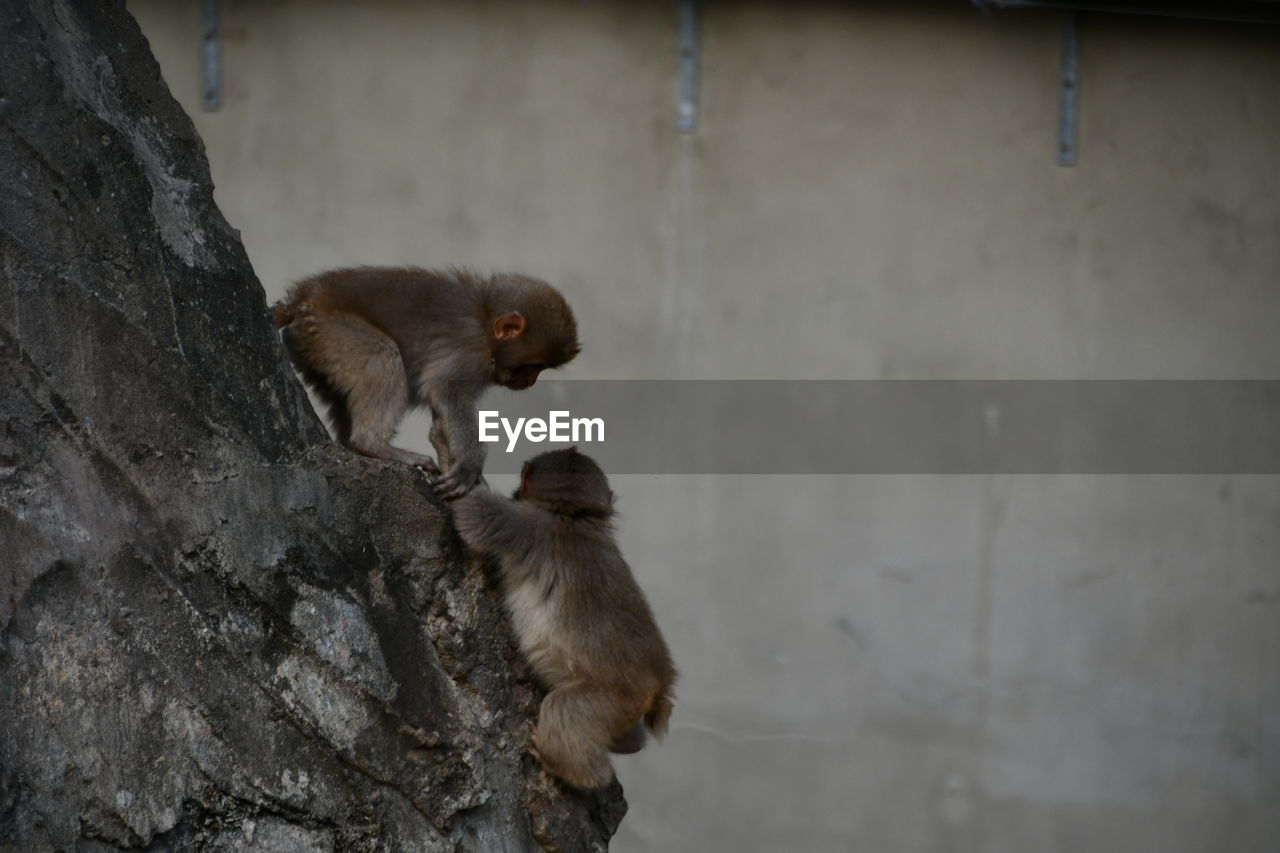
439	436
334	401
365	373
576	724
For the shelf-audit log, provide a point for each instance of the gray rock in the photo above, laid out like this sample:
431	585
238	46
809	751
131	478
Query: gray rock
218	631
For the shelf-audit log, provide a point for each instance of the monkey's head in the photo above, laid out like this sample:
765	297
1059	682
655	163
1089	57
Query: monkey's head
531	329
566	482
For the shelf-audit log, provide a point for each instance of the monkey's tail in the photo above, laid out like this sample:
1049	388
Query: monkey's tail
283	312
659	713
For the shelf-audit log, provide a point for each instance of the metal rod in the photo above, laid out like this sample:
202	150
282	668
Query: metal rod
687	105
1192	14
211	54
1069	89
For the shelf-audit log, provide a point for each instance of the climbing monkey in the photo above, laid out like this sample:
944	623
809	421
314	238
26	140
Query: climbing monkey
373	341
579	616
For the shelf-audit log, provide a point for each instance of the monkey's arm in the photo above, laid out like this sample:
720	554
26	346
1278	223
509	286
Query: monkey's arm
453	411
492	524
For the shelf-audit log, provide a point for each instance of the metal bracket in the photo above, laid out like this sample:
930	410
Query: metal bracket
1068	89
687	105
211	54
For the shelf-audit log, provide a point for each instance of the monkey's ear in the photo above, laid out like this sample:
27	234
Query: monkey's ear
508	326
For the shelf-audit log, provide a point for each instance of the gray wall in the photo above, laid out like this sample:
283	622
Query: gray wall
1022	663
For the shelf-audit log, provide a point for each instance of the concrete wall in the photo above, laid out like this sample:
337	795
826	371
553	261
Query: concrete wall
869	663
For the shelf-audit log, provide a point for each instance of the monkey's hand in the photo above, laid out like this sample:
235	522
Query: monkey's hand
461	478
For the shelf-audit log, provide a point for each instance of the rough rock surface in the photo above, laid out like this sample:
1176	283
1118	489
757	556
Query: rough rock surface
217	630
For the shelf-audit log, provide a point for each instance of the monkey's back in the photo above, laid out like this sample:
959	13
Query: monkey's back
399	301
606	630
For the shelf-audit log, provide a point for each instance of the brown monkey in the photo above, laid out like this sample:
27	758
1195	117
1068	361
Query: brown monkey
578	614
373	341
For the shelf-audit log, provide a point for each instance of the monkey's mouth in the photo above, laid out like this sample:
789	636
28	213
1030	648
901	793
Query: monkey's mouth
519	383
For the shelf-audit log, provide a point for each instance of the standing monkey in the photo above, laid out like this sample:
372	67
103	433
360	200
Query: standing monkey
578	615
373	341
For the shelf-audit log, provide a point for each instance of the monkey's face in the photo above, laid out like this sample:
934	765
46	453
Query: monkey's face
518	378
518	361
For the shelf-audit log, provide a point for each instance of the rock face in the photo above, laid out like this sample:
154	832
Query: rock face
217	630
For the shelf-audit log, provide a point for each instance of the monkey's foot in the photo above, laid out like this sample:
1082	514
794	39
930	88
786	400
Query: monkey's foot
381	450
544	772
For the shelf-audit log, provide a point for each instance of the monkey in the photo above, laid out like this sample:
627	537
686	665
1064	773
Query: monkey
373	341
579	617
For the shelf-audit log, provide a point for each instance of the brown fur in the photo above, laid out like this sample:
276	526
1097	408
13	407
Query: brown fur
578	614
373	341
